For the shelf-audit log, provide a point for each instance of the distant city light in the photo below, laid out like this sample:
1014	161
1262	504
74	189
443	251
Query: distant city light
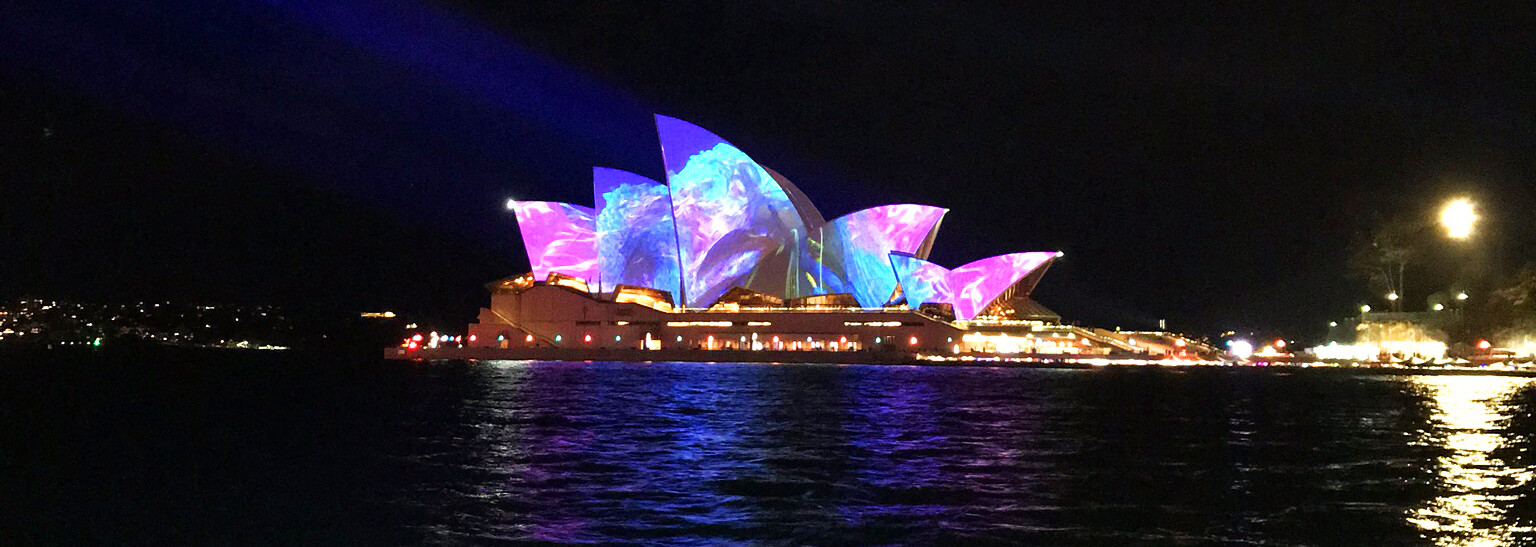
1241	349
1438	307
1392	296
1365	308
1461	296
1458	217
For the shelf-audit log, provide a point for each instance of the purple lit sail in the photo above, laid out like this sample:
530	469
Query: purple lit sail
969	288
854	250
636	238
735	225
559	237
975	285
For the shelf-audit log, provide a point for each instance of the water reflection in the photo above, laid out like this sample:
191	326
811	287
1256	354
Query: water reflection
1477	485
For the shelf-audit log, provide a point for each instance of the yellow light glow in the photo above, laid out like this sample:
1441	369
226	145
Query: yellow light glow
1458	217
1469	409
698	323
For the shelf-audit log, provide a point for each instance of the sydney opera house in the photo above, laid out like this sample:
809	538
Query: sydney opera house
729	255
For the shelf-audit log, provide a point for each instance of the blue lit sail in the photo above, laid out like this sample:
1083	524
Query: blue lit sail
636	237
735	225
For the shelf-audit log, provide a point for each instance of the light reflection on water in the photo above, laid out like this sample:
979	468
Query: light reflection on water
289	452
1476	485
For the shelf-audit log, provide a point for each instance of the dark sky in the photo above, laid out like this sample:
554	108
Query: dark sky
1198	163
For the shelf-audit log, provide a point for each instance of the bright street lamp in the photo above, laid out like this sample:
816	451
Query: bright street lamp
1392	296
1457	217
1461	296
1365	308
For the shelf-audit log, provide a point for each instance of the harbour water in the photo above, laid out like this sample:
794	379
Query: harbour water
283	450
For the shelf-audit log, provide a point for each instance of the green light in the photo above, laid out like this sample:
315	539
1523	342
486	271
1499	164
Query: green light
96	343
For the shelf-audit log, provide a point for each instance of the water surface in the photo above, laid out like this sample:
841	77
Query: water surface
248	451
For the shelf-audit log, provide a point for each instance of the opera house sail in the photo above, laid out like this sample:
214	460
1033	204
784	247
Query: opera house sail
636	237
735	225
559	237
973	288
723	225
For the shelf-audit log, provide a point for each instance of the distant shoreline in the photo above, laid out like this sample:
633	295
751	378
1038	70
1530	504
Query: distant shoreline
902	359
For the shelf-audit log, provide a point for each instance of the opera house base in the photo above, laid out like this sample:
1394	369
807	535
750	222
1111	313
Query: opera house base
661	355
561	321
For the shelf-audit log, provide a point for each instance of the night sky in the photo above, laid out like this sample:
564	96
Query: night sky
1203	164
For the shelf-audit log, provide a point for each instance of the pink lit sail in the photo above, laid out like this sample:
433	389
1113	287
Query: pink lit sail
969	288
977	284
854	248
560	238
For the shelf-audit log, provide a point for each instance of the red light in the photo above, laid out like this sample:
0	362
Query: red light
912	341
587	339
472	338
414	345
528	339
416	338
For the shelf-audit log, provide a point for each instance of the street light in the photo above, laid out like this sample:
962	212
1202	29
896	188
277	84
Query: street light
1365	308
1392	296
1457	217
1461	296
